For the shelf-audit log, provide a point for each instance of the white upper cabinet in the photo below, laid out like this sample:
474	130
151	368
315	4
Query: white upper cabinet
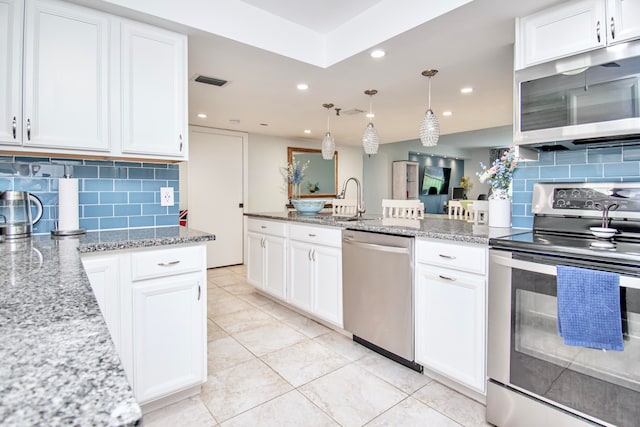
66	77
154	87
11	12
574	27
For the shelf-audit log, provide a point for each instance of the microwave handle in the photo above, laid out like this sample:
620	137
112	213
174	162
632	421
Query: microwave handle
625	281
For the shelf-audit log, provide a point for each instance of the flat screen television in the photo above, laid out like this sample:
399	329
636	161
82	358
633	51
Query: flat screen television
435	180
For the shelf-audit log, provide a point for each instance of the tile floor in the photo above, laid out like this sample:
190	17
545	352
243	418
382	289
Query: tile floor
270	366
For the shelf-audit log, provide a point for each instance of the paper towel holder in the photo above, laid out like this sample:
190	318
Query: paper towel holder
62	234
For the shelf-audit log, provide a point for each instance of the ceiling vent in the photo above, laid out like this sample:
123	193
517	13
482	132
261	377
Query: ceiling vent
352	112
211	81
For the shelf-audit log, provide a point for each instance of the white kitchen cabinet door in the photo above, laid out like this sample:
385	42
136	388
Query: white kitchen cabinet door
623	22
66	77
450	324
275	263
569	28
154	91
104	276
327	283
255	261
169	342
300	292
11	12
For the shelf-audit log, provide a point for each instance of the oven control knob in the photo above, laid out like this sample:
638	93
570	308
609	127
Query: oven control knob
560	203
590	193
575	193
562	193
588	204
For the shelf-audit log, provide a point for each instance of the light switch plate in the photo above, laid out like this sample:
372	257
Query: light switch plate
166	196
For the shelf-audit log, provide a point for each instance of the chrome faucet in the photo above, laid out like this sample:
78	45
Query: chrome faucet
360	208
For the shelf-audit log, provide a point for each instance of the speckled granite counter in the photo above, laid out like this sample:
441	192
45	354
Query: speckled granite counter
433	226
59	365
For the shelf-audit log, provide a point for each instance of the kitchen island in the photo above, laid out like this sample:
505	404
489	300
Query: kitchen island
432	226
60	366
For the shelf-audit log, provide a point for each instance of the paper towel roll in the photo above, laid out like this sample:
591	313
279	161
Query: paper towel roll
68	204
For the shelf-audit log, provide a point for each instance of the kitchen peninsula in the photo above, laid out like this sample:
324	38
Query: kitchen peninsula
60	365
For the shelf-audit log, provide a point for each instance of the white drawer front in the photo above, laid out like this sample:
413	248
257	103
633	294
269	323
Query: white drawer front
456	255
320	235
274	228
166	262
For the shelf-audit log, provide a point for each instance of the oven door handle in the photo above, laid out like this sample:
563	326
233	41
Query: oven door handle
625	281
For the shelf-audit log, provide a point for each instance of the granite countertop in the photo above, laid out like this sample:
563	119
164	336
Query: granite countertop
432	226
59	364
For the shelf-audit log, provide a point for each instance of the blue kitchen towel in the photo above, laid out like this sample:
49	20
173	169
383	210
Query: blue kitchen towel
589	308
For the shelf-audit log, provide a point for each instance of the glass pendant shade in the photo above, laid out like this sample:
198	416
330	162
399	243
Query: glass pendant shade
429	129
328	146
370	139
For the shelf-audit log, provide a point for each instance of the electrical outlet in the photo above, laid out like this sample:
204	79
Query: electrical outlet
166	196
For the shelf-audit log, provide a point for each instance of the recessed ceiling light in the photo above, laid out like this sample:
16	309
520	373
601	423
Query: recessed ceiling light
447	113
466	90
202	115
378	53
234	121
302	86
307	131
264	124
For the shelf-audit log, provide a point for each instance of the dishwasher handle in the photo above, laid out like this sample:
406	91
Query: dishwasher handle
376	247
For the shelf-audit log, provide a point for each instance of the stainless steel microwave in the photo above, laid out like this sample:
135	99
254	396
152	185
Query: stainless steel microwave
588	96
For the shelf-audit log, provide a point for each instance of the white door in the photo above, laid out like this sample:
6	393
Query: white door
300	291
328	283
215	192
624	20
11	71
66	77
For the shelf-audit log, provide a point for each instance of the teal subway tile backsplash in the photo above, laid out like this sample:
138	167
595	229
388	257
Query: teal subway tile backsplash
587	165
111	196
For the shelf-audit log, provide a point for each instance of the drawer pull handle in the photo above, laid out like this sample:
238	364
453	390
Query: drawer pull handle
168	264
446	256
28	129
14	127
598	31
312	235
263	226
199	292
447	278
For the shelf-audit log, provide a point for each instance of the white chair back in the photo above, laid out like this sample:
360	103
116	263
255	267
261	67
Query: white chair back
455	209
480	211
344	207
402	209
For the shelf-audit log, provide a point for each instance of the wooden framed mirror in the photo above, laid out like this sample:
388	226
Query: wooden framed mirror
320	177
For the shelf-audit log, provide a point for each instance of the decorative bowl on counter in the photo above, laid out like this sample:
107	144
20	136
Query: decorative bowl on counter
308	207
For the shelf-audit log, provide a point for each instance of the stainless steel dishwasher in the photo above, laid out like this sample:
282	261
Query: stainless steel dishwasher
377	281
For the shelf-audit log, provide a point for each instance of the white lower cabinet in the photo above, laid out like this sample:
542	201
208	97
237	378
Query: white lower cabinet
267	256
155	305
450	311
315	271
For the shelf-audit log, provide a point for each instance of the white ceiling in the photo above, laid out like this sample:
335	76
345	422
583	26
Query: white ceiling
301	41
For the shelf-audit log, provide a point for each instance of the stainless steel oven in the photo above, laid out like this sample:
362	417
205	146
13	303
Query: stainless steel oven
534	378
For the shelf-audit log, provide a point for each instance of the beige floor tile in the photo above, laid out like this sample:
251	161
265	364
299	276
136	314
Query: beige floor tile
307	326
219	271
304	362
412	413
217	293
214	331
269	338
232	391
228	279
255	299
351	396
224	353
189	412
290	410
394	373
240	269
240	289
278	311
243	320
452	404
223	306
343	345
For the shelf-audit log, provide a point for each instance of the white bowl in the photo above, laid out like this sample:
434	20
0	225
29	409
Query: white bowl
308	207
603	233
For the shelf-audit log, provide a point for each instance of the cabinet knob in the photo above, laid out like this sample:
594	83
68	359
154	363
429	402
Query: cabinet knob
598	31
14	126
613	28
169	263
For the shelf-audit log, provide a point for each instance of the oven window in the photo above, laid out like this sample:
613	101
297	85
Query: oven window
604	385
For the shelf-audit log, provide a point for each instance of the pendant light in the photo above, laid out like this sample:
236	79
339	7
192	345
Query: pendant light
429	127
328	144
370	138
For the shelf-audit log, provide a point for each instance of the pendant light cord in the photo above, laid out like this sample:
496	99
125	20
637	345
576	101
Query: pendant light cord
429	93
370	108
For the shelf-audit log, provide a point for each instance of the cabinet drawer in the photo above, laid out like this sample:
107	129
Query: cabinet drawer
319	235
267	227
456	255
166	262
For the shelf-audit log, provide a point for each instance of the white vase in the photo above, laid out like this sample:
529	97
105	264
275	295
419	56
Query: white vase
499	209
